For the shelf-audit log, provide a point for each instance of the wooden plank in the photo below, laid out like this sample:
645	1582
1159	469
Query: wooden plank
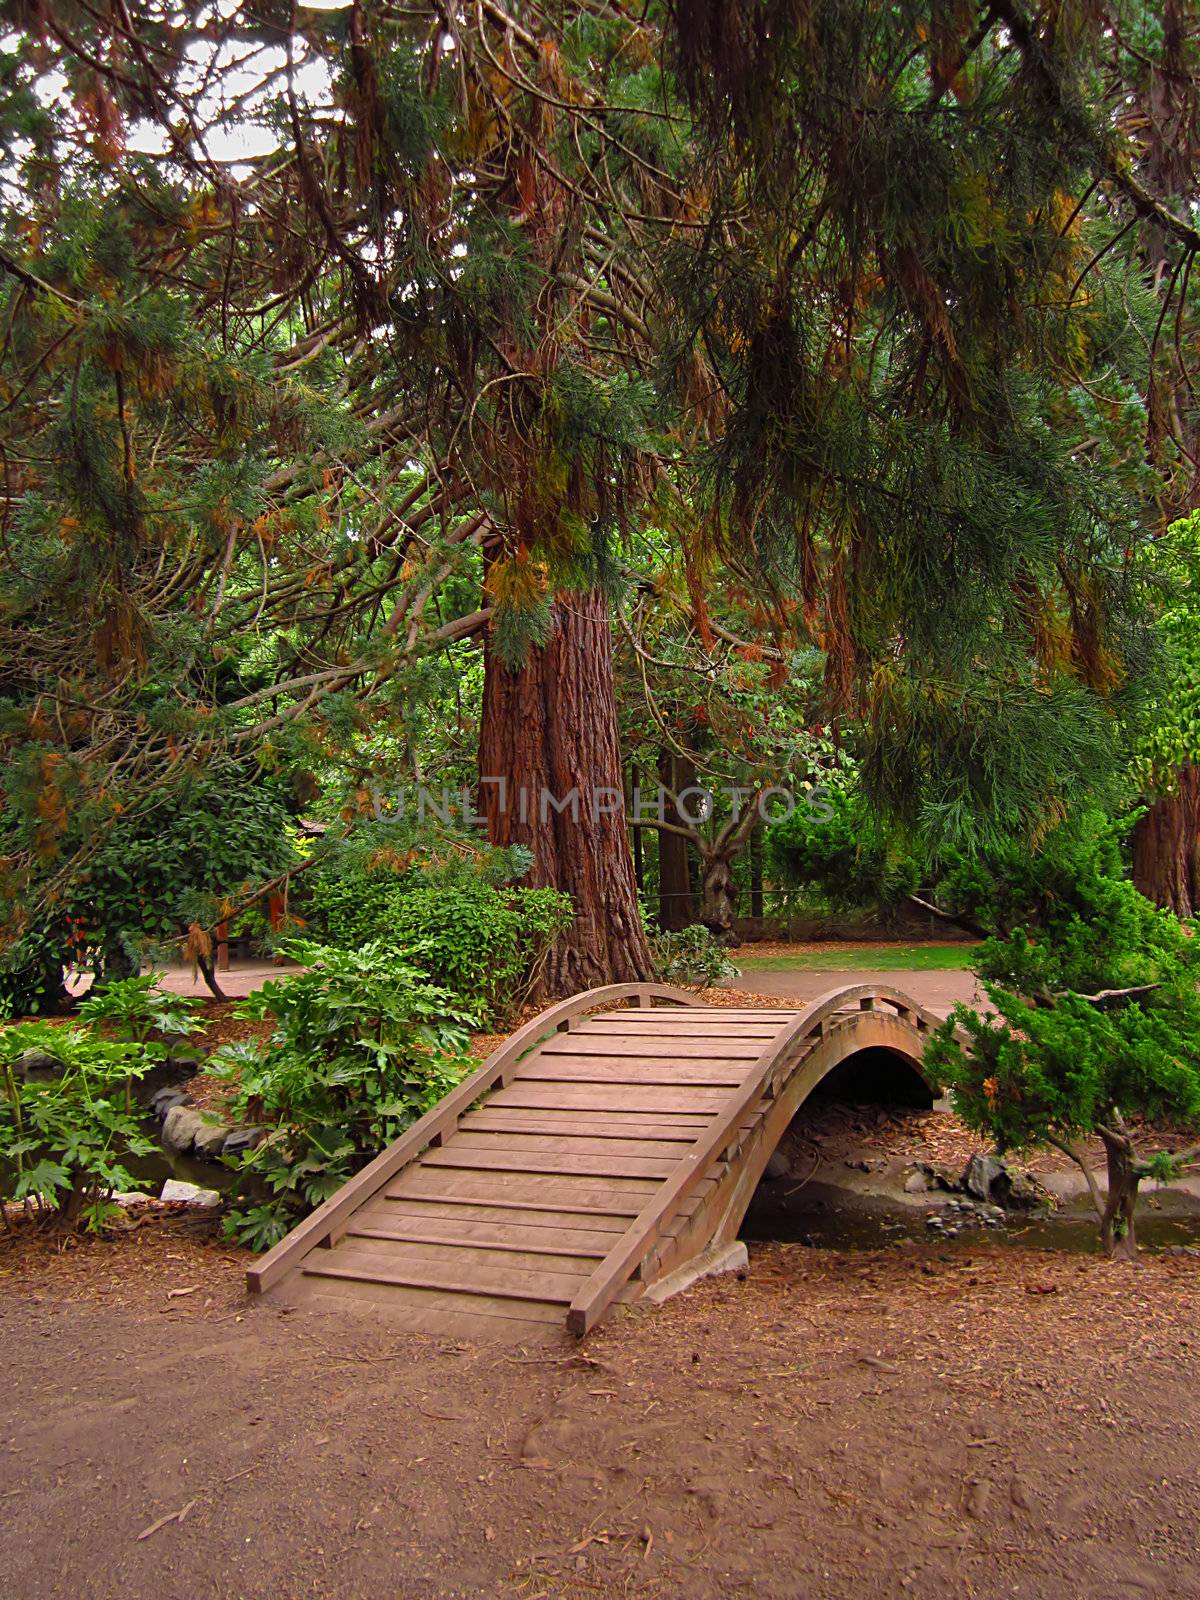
632	1026
528	1213
619	1197
583	1126
368	1266
695	1012
602	1116
545	1124
466	1254
616	1097
631	1069
565	1192
576	1043
548	1162
546	1238
514	1182
697	1031
606	1116
578	1144
442	1315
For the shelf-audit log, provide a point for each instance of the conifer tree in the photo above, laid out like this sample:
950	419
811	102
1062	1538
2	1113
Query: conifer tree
831	294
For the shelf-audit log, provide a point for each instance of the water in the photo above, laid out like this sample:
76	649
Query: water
827	1218
152	1171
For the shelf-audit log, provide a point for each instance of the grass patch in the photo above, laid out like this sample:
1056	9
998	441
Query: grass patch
873	958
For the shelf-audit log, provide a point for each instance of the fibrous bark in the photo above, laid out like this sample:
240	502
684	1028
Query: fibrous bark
550	779
1166	848
677	903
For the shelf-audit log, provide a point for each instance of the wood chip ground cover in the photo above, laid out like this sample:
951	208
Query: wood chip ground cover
988	1424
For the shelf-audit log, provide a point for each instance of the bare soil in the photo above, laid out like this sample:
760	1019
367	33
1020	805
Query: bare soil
901	1423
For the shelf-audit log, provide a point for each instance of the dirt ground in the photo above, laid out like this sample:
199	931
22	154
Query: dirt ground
982	1423
939	991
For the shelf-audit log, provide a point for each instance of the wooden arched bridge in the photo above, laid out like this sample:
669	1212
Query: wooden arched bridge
605	1144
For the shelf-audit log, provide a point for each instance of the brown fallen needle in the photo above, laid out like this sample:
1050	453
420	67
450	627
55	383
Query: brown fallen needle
171	1516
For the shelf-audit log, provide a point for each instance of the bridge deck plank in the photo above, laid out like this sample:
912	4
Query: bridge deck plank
577	1042
597	1126
717	1069
565	1191
538	1161
463	1254
601	1097
577	1144
527	1213
477	1233
437	1312
670	1028
396	1267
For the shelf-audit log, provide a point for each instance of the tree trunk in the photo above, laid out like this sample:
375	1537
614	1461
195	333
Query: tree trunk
1166	848
550	779
720	897
756	875
1118	1232
676	902
639	844
114	963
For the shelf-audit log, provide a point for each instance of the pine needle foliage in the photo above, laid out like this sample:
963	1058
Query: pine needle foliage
906	300
837	294
1096	1015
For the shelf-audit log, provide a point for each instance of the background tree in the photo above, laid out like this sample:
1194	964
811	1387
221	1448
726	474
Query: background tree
730	719
1165	843
908	296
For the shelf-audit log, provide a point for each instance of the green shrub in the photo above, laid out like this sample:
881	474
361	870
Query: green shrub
691	957
139	1009
352	907
31	973
848	859
485	941
63	1137
363	1045
1072	888
486	944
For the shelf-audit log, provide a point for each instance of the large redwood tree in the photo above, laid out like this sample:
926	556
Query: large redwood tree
1166	847
550	770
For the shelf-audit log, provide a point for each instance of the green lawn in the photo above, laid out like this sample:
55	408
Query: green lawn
877	958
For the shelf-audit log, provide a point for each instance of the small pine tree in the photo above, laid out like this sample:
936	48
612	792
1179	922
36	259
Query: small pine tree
1097	1017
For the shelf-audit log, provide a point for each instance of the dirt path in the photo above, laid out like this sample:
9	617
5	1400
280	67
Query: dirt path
940	991
900	1424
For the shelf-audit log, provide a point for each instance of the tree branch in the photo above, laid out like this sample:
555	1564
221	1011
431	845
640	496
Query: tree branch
959	920
1071	1149
1182	1158
1103	998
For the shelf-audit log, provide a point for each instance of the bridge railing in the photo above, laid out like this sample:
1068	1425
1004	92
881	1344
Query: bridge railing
325	1224
644	1232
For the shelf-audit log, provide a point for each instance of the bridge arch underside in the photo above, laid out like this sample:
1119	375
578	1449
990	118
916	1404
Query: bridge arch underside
872	1057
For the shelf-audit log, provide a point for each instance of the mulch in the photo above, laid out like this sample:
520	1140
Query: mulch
941	1423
